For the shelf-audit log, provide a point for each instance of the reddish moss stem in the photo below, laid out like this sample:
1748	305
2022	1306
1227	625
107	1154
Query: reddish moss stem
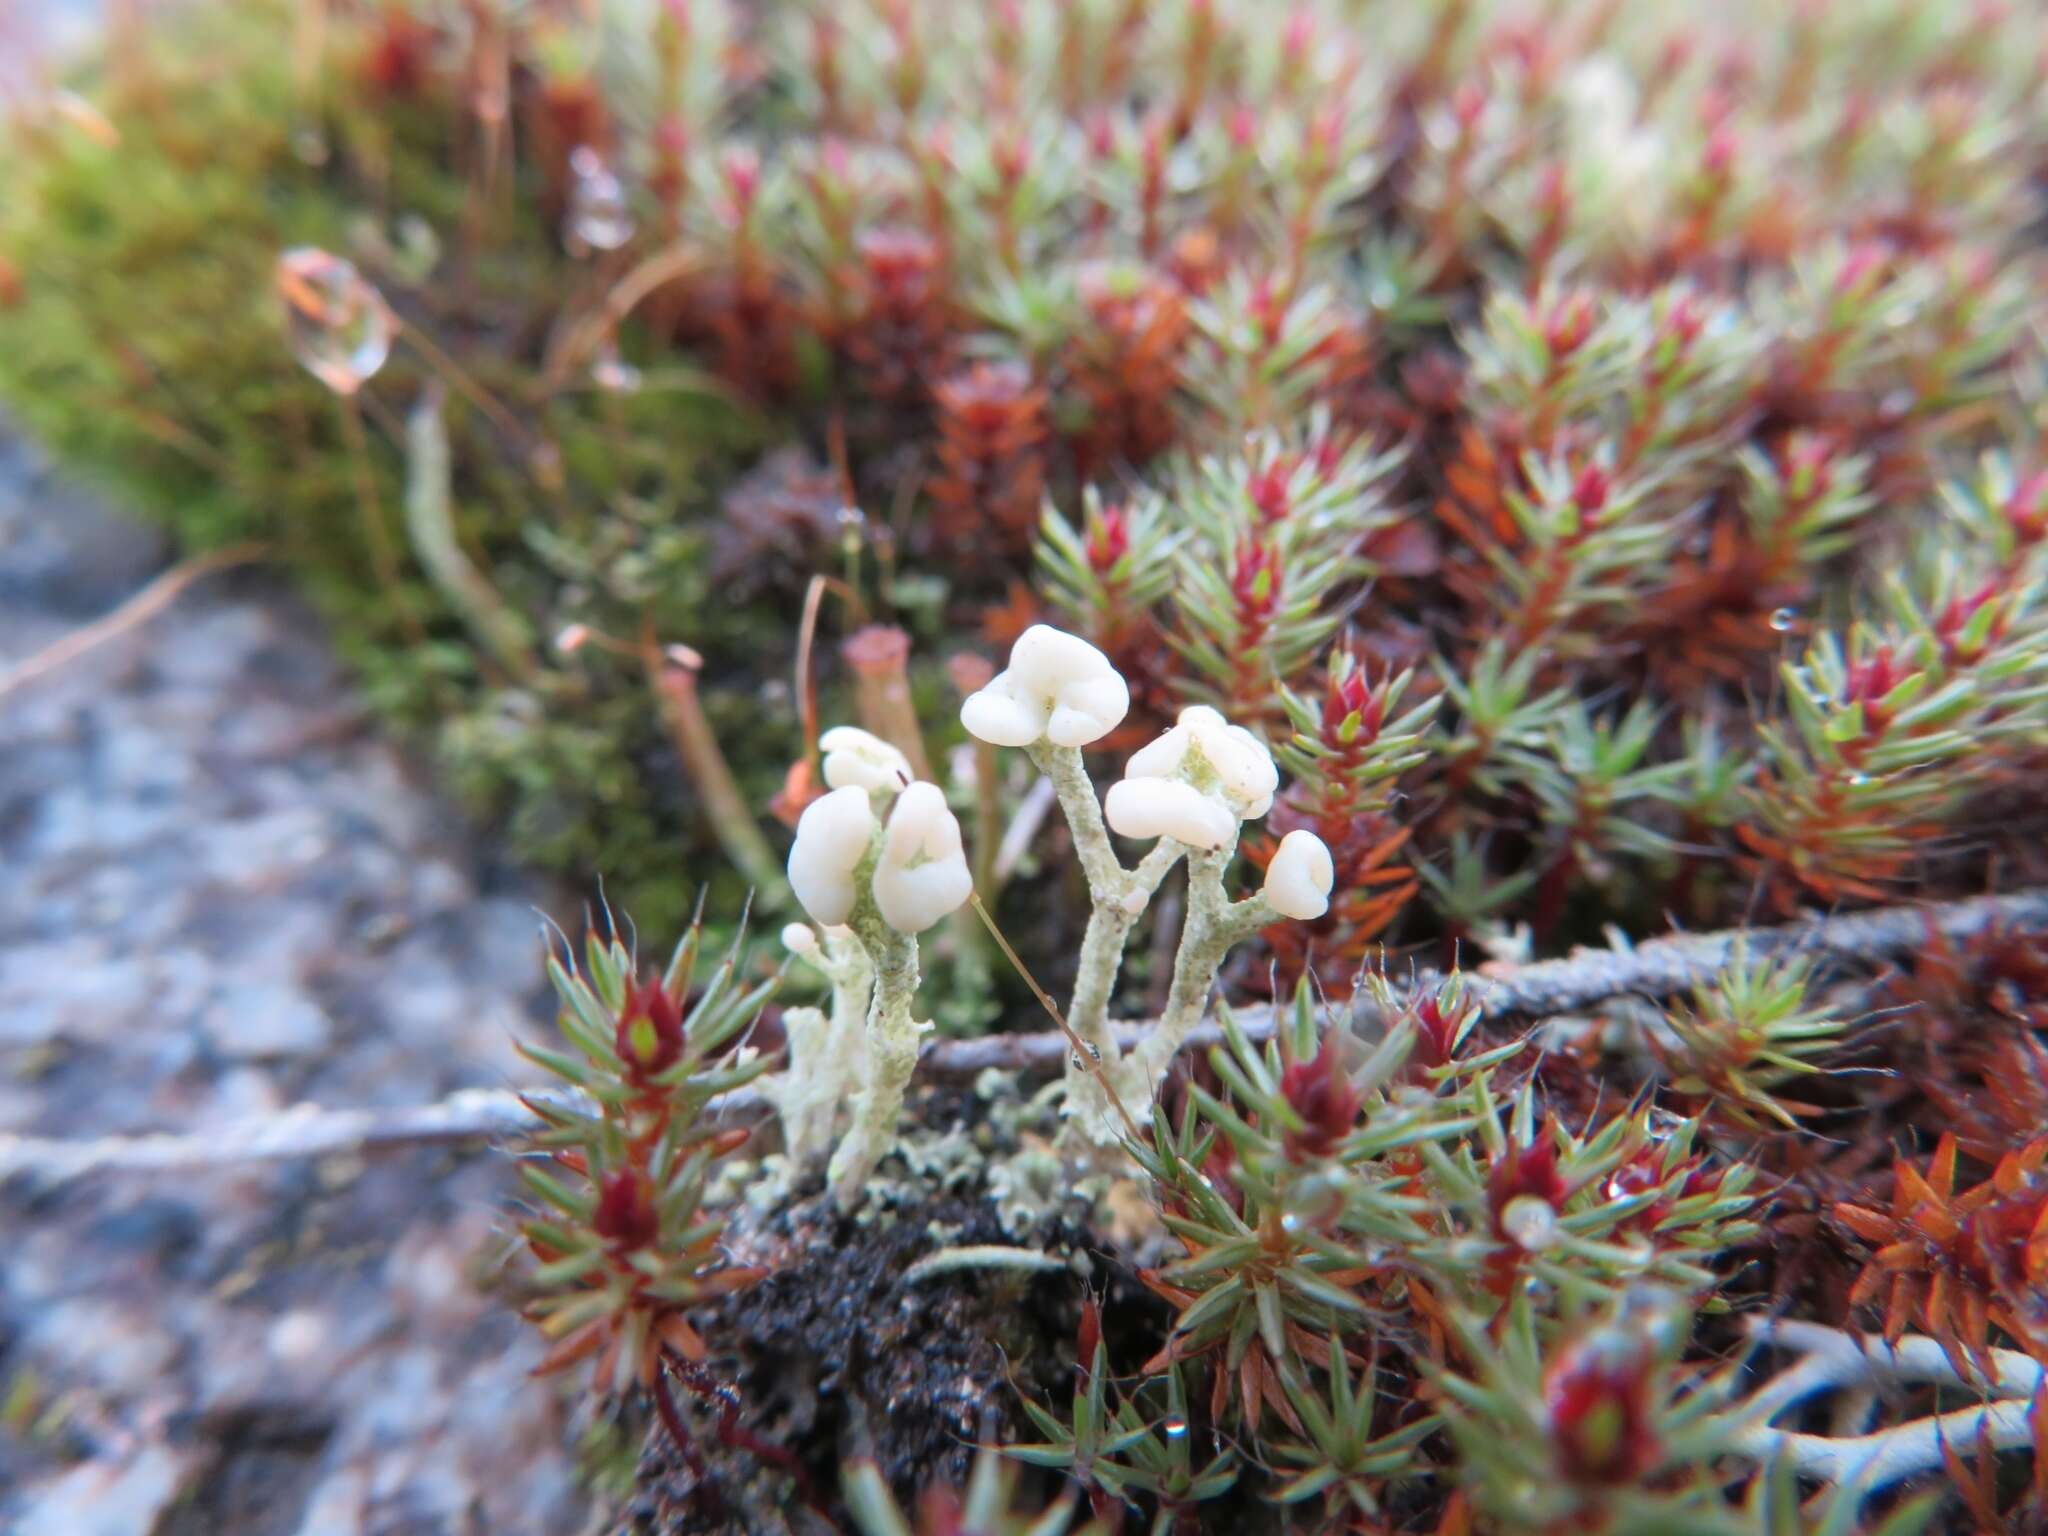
879	655
673	676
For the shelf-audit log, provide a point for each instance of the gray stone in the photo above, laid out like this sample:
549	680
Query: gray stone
261	1020
108	1498
213	903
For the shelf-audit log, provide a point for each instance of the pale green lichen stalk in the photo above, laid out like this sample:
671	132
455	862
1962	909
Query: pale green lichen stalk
1215	924
1190	791
875	884
1118	897
827	1051
1297	886
892	1041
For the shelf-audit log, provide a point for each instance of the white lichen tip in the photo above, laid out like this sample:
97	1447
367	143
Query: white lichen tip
1168	808
1299	876
832	837
854	757
923	872
799	938
1194	783
1209	752
1057	688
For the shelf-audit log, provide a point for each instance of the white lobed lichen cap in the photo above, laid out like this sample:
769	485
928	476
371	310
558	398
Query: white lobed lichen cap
1194	783
1168	808
857	757
1057	688
799	938
1299	876
832	837
923	872
1209	752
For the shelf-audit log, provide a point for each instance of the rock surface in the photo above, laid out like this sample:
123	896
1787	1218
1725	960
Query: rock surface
221	894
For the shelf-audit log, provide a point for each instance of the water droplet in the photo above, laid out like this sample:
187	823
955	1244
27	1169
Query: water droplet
336	322
1858	780
1782	619
1074	1061
1094	1050
599	216
1529	1223
1291	1222
1174	1427
612	373
851	518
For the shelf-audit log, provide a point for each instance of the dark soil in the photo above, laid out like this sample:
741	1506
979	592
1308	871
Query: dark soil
838	1354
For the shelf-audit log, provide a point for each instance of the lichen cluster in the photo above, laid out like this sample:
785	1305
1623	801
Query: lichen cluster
1473	476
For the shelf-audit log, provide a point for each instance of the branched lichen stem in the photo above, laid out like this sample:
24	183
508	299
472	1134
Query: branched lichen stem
892	1047
1117	899
1083	811
1214	924
1835	1359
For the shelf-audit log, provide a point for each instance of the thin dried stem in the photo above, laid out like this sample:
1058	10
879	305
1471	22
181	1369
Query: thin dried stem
1083	1051
137	610
578	342
460	380
806	645
1652	970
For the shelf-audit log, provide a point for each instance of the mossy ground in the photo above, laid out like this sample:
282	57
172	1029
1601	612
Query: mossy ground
143	342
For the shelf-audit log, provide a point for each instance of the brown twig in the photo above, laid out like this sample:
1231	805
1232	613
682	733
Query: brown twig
458	378
579	340
672	675
137	610
1660	968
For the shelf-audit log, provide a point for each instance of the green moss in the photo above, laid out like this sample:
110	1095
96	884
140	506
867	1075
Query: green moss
147	351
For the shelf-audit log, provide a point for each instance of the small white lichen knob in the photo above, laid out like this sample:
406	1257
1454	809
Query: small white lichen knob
922	875
799	938
1210	752
1168	808
832	837
1194	782
1299	876
1057	688
860	758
